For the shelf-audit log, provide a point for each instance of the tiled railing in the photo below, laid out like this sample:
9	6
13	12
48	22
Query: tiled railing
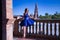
41	27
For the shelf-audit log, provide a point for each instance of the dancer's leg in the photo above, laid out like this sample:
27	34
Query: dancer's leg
24	31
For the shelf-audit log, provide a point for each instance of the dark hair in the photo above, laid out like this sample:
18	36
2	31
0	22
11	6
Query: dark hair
25	10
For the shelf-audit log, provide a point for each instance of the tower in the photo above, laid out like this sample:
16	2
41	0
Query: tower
36	11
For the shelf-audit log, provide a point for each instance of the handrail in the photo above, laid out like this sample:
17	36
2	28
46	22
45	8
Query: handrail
44	20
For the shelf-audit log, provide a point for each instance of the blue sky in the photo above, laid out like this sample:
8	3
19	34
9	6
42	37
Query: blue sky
49	6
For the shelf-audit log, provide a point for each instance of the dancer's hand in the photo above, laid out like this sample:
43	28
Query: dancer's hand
31	17
35	18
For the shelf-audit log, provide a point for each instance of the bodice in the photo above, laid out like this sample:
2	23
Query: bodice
26	16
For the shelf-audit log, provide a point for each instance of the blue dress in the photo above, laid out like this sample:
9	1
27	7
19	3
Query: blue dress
27	21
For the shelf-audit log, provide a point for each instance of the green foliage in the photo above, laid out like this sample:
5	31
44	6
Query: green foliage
47	16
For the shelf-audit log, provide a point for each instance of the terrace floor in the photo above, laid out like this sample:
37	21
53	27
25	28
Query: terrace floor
15	38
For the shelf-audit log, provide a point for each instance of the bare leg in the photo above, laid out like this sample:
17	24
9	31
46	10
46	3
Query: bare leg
24	35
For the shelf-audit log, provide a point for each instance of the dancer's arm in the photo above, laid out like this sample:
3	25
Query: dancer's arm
32	18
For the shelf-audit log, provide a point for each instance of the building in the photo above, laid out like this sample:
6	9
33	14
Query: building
36	11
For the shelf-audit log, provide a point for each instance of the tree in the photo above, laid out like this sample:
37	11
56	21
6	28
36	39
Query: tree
56	13
46	14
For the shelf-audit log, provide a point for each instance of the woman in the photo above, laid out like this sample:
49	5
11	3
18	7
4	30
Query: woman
27	21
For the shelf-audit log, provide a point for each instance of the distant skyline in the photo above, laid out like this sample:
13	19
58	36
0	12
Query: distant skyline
49	6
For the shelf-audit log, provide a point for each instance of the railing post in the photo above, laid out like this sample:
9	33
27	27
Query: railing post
41	27
45	29
19	27
28	29
49	28
34	27
37	27
31	29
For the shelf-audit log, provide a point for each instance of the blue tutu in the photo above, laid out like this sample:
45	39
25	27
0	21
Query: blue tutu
27	21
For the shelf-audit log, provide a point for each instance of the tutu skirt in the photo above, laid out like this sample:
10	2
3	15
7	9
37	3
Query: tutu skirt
27	22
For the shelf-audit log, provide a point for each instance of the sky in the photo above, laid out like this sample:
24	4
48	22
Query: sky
44	6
